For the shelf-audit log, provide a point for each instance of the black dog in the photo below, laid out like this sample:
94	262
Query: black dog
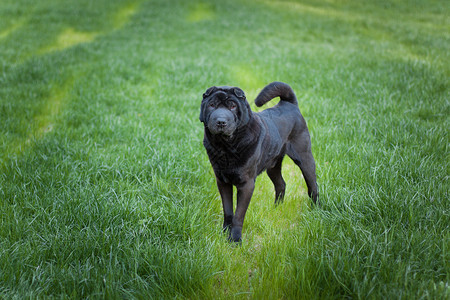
242	144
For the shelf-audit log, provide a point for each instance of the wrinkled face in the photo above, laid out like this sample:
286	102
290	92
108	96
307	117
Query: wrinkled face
224	109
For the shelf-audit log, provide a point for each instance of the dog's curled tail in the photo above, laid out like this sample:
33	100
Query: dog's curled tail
276	89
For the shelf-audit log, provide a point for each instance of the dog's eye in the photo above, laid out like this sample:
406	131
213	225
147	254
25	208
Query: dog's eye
232	105
212	105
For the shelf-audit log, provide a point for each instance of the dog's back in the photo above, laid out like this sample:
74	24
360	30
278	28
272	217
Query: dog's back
285	117
286	120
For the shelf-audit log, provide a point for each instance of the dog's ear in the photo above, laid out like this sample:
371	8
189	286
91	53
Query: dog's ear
202	114
209	91
239	93
245	110
203	106
246	115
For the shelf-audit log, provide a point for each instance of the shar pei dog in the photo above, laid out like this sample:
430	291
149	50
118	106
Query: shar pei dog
241	144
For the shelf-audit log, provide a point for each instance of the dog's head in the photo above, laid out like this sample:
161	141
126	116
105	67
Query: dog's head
224	109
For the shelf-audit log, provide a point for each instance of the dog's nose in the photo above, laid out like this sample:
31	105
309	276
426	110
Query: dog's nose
221	123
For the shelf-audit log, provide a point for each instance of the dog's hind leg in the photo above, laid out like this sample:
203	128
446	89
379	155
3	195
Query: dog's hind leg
299	151
278	181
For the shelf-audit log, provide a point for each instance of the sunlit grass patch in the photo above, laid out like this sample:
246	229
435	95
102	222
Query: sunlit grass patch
43	122
69	38
124	15
201	12
15	26
54	104
311	9
250	81
268	230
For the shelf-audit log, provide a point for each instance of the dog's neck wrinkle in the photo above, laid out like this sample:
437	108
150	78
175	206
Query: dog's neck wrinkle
228	155
242	138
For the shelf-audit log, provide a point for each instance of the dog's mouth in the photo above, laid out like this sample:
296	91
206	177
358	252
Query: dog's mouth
222	131
222	125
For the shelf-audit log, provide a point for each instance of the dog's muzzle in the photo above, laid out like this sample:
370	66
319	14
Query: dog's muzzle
221	121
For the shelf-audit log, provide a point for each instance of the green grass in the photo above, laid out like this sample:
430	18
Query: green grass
106	190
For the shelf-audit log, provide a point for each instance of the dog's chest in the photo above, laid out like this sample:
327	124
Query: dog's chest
229	166
230	176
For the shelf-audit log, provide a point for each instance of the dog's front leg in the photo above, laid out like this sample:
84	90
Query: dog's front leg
226	193
244	194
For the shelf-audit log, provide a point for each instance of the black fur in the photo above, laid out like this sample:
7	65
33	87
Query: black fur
242	144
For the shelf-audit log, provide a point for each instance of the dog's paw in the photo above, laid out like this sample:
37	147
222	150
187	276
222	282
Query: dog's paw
235	235
234	242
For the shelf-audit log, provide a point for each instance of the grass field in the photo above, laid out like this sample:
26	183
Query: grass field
106	190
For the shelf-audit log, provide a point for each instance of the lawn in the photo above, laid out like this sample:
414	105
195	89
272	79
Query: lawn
105	187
